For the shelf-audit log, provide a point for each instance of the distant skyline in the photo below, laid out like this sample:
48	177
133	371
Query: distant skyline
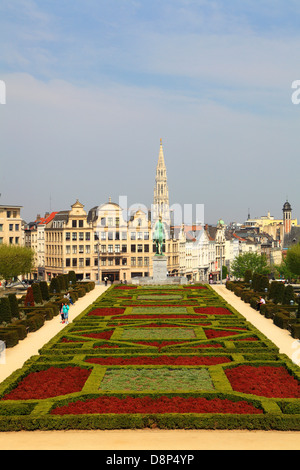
92	86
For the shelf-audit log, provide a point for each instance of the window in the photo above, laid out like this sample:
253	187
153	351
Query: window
17	240
96	236
133	261
11	240
8	214
117	248
1	227
110	261
133	248
140	248
132	236
146	248
81	262
68	235
74	223
140	236
87	236
124	248
117	236
81	236
68	262
16	227
103	262
87	261
110	221
74	262
103	248
124	261
87	249
81	249
110	249
11	227
146	261
74	236
1	241
146	235
110	236
74	250
103	235
140	261
124	235
80	223
68	249
117	261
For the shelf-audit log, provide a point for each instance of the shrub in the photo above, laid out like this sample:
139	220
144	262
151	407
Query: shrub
10	337
54	286
37	295
5	310
14	306
44	290
72	277
281	320
29	299
288	295
248	275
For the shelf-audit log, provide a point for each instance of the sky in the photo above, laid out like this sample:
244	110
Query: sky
91	86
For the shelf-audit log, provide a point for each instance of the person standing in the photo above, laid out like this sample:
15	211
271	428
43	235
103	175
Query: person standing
61	313
66	313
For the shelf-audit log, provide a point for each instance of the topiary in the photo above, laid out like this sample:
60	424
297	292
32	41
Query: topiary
5	310
37	295
14	306
44	290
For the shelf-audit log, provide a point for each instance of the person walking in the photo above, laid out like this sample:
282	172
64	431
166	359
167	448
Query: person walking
66	313
61	313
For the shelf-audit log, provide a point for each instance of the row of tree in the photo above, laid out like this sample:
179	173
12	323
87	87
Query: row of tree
289	268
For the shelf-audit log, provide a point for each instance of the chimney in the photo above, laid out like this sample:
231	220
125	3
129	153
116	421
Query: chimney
38	217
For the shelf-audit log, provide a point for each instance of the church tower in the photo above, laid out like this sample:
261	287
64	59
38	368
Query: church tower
161	191
287	218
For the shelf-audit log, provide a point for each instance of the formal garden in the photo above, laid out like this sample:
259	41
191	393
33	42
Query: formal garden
168	357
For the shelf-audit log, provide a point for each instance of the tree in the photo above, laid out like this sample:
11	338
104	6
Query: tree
15	261
292	259
249	261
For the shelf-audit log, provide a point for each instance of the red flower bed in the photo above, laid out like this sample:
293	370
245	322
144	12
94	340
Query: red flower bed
213	310
102	312
105	346
48	383
161	360
156	405
210	333
266	381
212	345
102	335
163	316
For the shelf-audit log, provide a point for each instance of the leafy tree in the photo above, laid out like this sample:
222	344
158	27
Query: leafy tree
249	261
292	259
15	261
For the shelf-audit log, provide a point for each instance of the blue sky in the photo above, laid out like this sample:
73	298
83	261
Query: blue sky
93	85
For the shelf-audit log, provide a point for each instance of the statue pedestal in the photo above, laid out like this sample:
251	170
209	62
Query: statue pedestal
159	269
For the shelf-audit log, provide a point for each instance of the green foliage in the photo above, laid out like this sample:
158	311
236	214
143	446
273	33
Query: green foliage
249	262
44	290
5	310
72	277
37	295
54	286
260	282
15	261
14	306
248	275
276	292
288	295
292	259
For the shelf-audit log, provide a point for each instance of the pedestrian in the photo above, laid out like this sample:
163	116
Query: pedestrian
260	303
66	313
69	298
105	280
61	313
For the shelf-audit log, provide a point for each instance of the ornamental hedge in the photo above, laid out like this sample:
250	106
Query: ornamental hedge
155	356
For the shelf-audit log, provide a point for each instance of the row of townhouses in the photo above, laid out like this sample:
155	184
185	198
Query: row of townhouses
108	242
